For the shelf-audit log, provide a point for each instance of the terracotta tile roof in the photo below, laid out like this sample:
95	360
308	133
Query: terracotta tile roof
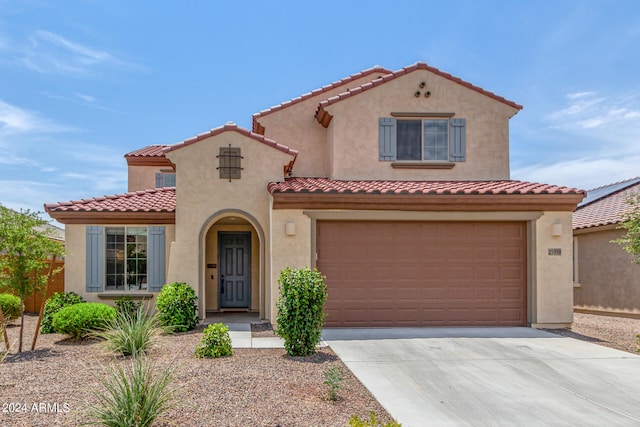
321	113
257	128
153	200
148	151
324	185
235	128
606	210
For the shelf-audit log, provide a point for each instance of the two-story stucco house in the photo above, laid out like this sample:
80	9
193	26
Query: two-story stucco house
395	185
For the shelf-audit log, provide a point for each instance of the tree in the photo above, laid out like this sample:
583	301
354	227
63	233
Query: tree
25	247
630	241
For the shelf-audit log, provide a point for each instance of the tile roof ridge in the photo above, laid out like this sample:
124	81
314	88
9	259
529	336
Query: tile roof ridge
406	70
140	152
128	194
231	126
315	92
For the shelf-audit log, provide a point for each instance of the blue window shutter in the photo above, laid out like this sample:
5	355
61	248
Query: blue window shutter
387	138
155	258
95	258
457	140
159	180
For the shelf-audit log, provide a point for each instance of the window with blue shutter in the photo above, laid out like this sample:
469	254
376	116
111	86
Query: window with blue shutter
95	258
428	140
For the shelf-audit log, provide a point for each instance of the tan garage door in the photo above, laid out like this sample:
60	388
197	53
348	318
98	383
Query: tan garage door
423	273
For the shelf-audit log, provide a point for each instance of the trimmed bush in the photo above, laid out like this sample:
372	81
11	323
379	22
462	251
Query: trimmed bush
10	305
215	342
130	335
80	320
125	304
55	303
301	310
177	307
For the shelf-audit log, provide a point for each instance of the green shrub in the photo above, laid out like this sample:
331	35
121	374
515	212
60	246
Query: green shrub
215	342
135	395
80	320
54	304
177	307
10	305
125	304
300	310
128	335
355	421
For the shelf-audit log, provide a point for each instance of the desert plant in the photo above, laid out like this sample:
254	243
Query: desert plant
80	320
55	303
215	342
135	395
355	421
300	310
10	305
126	304
630	241
333	378
177	307
128	335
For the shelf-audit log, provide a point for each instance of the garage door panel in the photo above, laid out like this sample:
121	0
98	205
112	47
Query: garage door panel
423	273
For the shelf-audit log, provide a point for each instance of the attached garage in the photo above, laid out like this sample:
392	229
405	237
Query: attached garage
424	273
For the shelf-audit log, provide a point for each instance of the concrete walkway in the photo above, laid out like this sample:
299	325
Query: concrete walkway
491	376
239	325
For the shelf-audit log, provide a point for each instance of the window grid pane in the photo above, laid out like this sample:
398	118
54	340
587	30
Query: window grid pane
126	258
436	140
408	139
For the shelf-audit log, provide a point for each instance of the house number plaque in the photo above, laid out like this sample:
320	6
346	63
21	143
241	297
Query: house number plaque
554	251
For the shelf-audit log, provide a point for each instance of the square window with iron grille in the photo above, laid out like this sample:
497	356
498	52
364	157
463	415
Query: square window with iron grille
230	163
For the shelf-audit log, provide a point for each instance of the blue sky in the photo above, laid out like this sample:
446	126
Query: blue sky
84	82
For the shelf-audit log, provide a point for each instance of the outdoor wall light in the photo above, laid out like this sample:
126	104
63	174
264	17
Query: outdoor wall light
556	230
290	228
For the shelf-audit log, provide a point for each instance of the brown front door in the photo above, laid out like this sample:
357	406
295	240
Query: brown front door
383	273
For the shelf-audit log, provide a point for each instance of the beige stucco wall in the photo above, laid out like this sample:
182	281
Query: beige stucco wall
75	276
354	129
551	298
609	280
207	198
296	127
144	177
288	251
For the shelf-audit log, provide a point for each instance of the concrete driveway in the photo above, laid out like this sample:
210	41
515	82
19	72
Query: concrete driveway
491	376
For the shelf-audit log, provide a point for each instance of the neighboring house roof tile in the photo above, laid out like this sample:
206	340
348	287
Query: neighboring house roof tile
148	151
257	128
324	185
235	128
321	114
606	209
153	200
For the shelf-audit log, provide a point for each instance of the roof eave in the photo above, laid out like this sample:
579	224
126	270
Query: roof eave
101	217
427	202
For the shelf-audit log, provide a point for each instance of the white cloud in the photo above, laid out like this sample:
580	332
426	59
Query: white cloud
48	52
15	120
589	111
583	173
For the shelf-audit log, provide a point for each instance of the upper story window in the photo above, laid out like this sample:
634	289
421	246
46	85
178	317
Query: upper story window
426	139
165	179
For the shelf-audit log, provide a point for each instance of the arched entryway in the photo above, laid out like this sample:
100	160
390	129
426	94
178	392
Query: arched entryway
232	264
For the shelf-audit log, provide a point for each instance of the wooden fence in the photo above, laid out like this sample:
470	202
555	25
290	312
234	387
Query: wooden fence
32	303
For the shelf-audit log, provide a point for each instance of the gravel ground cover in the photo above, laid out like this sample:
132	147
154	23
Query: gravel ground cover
254	387
615	332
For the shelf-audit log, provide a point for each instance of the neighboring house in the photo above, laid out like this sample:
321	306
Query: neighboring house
395	185
607	281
